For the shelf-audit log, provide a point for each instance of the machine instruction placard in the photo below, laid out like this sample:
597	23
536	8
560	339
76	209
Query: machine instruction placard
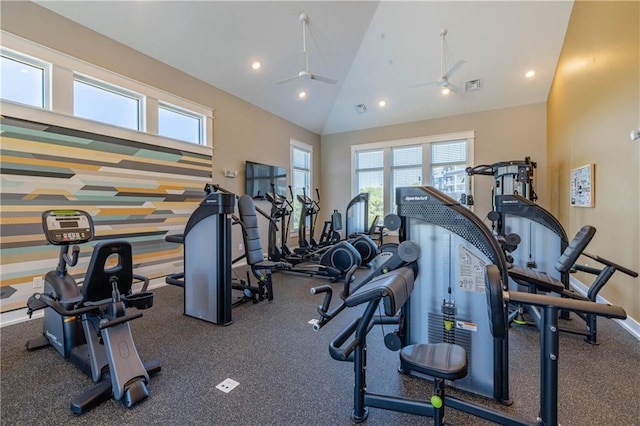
471	269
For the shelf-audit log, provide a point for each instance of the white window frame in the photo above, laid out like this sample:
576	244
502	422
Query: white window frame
426	142
99	84
294	144
36	63
191	114
64	68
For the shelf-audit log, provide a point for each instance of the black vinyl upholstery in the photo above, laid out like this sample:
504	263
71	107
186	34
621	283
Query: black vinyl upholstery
441	360
541	280
394	288
97	281
251	232
575	249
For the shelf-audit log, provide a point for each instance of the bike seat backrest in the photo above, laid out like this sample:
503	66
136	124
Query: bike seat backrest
250	230
394	288
575	248
110	258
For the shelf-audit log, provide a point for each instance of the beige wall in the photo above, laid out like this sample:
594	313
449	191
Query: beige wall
593	105
500	135
242	131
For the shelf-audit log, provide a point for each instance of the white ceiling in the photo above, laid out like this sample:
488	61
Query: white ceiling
376	50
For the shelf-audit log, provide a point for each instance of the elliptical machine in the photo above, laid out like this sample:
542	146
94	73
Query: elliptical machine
281	209
310	209
329	261
90	327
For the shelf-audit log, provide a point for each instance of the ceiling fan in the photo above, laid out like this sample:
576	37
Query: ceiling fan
304	73
443	81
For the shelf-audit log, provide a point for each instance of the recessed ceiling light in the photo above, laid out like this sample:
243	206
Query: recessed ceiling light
302	94
382	103
256	65
530	73
446	91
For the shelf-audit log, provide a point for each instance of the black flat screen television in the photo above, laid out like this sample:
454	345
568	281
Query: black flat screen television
259	177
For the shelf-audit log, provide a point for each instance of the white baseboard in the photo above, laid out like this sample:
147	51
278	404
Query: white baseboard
629	324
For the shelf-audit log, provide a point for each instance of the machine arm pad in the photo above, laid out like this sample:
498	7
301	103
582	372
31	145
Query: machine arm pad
582	306
394	287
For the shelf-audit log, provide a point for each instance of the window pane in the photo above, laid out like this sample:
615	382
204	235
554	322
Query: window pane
406	156
373	179
301	158
300	181
369	159
404	177
177	125
22	82
99	104
449	152
301	178
450	179
372	183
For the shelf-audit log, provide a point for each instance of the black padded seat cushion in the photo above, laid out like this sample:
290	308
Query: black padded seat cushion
439	360
394	287
541	280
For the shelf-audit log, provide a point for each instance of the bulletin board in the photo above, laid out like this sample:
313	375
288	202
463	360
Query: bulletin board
582	189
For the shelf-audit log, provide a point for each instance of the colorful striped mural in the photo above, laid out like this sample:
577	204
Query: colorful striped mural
133	190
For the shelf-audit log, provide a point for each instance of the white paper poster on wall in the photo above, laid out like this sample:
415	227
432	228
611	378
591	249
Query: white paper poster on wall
582	190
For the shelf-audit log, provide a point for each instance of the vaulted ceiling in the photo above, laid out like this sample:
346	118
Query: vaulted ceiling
375	50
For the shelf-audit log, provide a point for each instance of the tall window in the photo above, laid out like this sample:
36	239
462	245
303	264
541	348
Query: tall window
439	161
448	164
106	103
178	123
369	169
24	79
300	177
406	169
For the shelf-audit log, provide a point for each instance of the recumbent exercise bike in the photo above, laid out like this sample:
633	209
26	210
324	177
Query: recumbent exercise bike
90	326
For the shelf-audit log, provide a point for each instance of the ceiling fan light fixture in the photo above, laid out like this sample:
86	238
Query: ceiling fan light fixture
445	91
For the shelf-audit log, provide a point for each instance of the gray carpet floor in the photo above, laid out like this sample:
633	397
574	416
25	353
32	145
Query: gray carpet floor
287	377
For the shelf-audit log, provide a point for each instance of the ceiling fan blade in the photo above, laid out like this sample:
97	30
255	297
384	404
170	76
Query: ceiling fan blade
430	83
286	80
323	79
453	69
452	87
